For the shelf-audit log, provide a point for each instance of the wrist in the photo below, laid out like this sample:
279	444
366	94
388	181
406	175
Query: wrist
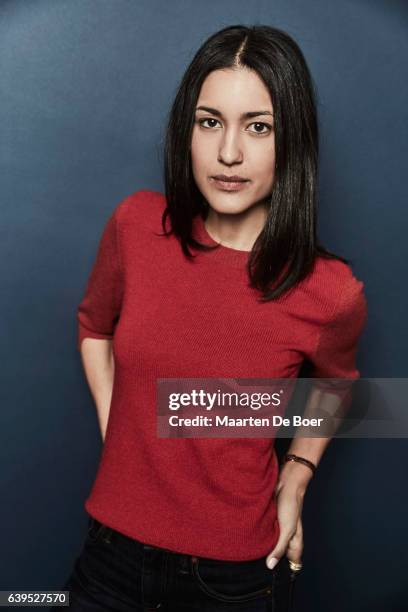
295	474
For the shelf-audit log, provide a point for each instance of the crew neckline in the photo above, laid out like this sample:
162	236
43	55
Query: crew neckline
222	253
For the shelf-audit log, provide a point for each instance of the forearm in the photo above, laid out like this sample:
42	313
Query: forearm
98	363
296	474
309	448
319	403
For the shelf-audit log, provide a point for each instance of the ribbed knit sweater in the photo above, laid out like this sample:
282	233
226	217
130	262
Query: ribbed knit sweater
170	317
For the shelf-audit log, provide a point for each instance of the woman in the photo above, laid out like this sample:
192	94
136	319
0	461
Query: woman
236	285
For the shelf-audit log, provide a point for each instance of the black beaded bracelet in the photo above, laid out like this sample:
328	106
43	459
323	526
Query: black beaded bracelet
291	457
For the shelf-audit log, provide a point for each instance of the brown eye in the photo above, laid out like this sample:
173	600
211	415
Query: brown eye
262	125
201	122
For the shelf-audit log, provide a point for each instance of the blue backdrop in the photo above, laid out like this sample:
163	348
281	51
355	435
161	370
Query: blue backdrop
85	88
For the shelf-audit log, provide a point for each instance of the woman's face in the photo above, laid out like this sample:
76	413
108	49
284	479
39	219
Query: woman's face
226	141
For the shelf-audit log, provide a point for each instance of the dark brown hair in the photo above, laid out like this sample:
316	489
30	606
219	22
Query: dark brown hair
285	251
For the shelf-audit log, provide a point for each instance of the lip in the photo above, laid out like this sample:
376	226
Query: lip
234	178
233	183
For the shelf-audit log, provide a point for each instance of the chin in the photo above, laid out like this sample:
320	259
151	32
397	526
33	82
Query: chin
228	207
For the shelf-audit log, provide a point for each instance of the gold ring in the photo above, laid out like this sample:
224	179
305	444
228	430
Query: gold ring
295	567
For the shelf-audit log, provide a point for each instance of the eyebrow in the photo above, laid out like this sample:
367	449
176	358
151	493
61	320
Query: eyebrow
247	115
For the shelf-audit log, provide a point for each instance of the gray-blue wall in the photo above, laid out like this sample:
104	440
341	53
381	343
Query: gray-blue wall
85	88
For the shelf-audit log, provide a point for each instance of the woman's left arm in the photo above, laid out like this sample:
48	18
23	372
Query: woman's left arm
294	476
290	490
334	357
332	401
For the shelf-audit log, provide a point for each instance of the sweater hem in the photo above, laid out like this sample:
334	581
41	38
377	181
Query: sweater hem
179	548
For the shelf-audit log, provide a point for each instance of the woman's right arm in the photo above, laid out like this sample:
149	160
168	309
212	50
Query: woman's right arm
98	363
98	314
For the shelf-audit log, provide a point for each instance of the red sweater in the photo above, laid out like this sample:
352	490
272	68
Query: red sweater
172	318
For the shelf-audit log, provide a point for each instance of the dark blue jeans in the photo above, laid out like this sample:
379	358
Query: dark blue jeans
114	572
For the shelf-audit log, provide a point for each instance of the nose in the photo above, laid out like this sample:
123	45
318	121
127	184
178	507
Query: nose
230	151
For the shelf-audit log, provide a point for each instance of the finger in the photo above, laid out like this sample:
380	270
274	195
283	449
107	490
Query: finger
295	545
280	548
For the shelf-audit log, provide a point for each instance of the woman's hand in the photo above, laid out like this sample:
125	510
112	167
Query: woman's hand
289	495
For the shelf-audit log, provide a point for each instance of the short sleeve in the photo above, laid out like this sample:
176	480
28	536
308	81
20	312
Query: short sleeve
100	307
335	352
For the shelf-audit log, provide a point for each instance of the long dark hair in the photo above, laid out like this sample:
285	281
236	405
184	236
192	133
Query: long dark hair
285	251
